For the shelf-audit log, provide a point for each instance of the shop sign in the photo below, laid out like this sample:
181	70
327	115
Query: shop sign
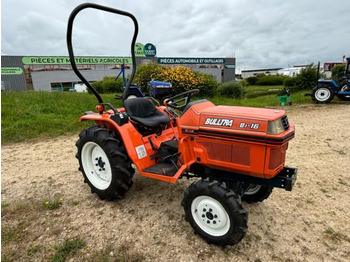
11	71
182	60
83	60
230	66
139	50
150	50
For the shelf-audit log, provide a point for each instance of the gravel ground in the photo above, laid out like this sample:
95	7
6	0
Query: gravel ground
311	223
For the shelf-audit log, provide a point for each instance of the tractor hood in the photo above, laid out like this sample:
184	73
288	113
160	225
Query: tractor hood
234	121
245	112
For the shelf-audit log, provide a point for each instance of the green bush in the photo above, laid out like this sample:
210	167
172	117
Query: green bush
209	86
307	79
231	89
109	85
275	80
289	81
180	77
145	73
337	72
283	92
251	80
259	75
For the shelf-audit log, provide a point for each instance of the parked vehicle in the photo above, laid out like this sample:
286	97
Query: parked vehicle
157	89
325	90
234	153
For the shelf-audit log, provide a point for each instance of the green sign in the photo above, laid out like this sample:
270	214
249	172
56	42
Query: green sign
230	66
11	71
82	60
139	50
179	60
150	50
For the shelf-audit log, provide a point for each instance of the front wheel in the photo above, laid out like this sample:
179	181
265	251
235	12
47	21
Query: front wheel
104	163
343	87
215	213
322	94
257	193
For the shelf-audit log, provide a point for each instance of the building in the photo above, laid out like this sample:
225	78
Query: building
51	73
255	72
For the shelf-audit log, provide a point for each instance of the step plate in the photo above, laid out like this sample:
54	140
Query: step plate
164	169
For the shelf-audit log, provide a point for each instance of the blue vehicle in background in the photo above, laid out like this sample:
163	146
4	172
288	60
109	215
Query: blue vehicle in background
325	90
157	89
160	90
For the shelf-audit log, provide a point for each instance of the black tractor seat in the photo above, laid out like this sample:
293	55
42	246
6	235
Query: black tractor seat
142	111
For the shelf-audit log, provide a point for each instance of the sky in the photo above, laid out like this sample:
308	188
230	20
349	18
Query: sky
259	33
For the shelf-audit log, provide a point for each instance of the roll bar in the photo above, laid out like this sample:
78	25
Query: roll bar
70	48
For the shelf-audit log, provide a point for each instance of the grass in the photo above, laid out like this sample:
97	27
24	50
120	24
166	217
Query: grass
23	225
68	248
260	101
53	204
334	236
30	115
123	253
16	220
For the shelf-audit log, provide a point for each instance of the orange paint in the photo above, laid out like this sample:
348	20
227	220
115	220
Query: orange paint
220	137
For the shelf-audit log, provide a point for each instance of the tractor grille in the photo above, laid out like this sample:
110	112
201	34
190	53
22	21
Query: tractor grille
285	123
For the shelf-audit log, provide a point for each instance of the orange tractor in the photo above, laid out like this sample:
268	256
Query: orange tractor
236	153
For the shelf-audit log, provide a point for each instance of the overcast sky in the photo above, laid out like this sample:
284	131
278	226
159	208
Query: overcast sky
259	33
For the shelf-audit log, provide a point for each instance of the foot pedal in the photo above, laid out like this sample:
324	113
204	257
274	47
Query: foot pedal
164	169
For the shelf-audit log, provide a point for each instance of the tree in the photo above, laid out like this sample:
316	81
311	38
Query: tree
307	79
338	71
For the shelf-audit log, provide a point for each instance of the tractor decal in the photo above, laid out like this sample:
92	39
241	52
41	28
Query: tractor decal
218	122
141	151
249	126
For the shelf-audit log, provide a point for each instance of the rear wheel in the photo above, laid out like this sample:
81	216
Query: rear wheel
257	193
215	213
104	163
322	94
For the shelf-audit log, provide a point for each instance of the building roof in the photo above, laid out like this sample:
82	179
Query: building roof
266	69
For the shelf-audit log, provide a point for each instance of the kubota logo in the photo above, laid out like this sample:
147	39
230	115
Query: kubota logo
218	122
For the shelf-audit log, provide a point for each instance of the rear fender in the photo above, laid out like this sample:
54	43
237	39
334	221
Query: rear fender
138	151
330	83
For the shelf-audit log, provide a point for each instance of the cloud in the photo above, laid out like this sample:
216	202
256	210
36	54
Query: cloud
260	34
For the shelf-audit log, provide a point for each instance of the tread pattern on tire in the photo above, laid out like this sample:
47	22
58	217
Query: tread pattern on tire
122	171
238	215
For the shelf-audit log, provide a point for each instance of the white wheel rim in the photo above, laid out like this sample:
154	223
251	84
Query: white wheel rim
96	165
253	189
131	97
210	216
322	94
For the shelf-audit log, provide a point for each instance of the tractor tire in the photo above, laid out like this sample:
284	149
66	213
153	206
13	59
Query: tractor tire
342	87
215	213
257	193
322	94
104	163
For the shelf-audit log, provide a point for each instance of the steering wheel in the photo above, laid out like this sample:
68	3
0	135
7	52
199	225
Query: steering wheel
185	97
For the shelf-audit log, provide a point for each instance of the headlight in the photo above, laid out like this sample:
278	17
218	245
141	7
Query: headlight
275	127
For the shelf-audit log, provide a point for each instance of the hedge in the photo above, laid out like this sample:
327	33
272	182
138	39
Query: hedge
180	77
232	89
